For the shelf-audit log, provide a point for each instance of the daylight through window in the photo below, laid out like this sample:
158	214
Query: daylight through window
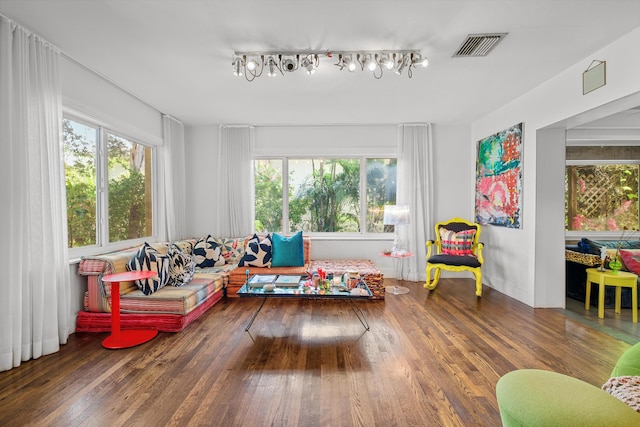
601	197
98	214
324	195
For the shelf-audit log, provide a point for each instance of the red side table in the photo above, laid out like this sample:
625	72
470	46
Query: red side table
128	338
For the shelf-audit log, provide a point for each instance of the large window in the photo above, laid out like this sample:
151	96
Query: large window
601	197
108	185
324	195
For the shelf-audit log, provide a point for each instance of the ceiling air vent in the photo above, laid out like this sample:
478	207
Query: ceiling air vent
478	44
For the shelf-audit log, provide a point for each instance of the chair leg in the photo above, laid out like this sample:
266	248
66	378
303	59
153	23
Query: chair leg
478	275
432	284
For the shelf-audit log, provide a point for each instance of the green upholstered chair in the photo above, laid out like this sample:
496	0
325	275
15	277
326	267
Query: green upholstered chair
536	398
628	363
531	397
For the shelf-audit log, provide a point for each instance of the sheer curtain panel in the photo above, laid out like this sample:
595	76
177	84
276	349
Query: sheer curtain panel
233	218
34	290
415	188
174	182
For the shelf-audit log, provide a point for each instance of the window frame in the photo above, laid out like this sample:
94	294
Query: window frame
602	235
363	233
103	245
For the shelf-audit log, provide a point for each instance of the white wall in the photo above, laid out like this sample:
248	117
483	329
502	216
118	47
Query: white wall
453	173
528	264
89	94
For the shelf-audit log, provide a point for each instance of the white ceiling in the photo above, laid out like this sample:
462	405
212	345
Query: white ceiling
176	54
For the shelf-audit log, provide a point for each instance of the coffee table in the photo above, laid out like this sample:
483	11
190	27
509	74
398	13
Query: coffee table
337	292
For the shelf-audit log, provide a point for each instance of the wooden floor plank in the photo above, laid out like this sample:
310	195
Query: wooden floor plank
430	358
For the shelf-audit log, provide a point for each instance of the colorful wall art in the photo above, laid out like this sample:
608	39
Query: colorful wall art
499	178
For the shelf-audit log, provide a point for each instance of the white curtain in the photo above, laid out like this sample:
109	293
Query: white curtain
233	218
34	290
174	179
415	178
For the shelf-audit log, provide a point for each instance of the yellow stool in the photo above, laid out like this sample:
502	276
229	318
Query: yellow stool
619	280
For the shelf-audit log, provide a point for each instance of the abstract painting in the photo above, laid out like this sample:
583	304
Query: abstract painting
499	178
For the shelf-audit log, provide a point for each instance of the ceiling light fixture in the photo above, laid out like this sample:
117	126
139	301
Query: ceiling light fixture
251	64
273	66
388	61
418	61
310	62
237	67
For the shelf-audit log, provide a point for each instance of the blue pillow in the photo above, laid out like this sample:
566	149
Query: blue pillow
287	251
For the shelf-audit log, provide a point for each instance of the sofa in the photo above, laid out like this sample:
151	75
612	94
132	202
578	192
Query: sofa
221	267
532	397
168	309
586	254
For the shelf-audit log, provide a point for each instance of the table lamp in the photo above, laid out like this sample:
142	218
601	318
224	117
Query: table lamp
396	215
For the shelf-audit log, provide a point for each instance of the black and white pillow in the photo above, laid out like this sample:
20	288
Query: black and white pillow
181	266
149	259
207	253
258	252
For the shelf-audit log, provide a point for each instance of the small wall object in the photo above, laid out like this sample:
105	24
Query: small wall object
594	77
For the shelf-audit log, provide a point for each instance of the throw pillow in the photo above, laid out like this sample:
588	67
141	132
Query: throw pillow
185	246
631	259
181	266
258	252
626	389
287	251
232	249
460	243
207	253
149	259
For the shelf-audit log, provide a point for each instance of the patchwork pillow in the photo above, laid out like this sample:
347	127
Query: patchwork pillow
207	253
287	251
631	260
181	266
149	259
257	253
460	243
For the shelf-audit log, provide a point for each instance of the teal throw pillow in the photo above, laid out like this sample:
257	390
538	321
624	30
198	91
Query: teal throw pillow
287	251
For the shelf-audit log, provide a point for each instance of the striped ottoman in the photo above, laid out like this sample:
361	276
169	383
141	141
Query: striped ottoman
373	276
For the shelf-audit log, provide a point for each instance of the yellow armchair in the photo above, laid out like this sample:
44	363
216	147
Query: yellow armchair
456	248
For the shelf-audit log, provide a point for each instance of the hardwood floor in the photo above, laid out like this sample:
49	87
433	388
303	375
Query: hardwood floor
430	359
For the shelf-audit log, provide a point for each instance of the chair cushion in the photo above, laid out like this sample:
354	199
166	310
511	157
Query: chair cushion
531	397
467	261
631	259
628	363
457	243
